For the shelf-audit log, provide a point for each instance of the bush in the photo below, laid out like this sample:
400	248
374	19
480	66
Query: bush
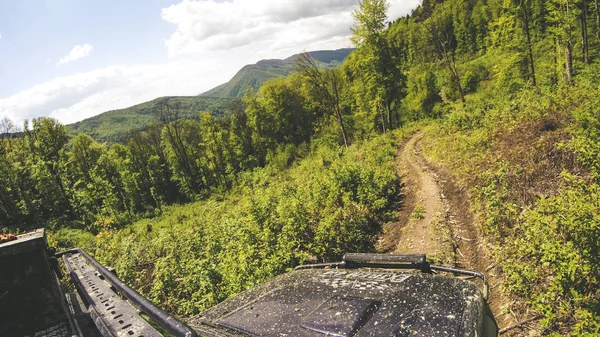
510	152
554	263
194	256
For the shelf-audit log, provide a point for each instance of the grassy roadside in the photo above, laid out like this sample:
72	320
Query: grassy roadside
530	163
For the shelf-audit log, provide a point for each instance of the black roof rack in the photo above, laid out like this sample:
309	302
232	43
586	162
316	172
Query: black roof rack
89	276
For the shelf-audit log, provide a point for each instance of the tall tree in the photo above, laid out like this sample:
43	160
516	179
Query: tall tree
177	133
440	31
327	85
84	155
369	22
47	141
597	10
564	14
513	33
583	8
7	127
213	144
525	16
385	81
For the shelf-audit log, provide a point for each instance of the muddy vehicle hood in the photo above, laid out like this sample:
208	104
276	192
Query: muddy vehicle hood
348	303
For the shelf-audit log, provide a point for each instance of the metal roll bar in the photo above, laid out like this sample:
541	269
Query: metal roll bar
168	322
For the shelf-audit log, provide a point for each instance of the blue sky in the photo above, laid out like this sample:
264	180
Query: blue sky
73	59
35	34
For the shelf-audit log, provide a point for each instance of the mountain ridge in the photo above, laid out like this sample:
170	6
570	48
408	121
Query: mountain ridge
117	125
255	75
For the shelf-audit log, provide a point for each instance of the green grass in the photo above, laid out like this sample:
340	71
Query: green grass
418	212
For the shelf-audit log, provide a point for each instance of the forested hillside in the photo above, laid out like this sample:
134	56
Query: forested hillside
253	76
192	211
118	125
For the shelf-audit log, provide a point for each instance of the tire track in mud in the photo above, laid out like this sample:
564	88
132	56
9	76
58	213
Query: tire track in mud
425	231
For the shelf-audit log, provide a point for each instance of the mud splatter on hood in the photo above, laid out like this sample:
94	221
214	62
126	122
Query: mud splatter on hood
351	303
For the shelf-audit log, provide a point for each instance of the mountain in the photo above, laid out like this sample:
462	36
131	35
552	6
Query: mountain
117	125
254	75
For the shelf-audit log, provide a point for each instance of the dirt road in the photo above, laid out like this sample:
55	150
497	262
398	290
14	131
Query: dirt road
426	230
435	219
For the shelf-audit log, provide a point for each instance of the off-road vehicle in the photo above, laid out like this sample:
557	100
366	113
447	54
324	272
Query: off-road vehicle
363	295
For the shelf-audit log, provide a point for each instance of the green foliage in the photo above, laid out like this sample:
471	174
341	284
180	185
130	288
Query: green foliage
418	213
381	82
513	86
474	74
423	93
196	255
531	163
369	21
561	239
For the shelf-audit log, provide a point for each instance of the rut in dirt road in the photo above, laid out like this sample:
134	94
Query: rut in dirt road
426	230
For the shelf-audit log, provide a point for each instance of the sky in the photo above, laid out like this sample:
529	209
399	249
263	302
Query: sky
74	59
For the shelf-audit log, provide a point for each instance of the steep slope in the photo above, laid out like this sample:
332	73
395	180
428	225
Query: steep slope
116	125
254	75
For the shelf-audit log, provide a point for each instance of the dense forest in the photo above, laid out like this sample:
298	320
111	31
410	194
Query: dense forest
193	210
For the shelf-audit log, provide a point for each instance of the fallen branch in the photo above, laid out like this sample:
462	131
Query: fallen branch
465	239
518	325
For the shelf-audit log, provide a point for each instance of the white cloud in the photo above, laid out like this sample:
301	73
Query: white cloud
0	36
78	52
203	26
83	95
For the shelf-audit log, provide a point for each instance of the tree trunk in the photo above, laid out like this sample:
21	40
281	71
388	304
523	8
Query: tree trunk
598	20
452	66
454	74
569	60
529	46
338	111
330	88
569	49
389	114
450	62
181	155
380	108
584	34
555	59
339	116
457	80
